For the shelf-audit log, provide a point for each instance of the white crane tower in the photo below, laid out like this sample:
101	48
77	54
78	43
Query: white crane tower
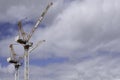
24	38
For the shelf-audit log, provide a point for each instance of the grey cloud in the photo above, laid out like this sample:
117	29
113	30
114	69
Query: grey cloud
98	68
12	11
84	26
6	73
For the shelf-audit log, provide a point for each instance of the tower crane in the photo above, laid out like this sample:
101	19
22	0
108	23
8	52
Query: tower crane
24	38
14	59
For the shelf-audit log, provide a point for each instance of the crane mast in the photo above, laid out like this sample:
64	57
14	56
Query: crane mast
17	74
26	65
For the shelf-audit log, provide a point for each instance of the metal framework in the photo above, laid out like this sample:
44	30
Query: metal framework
16	60
24	38
17	74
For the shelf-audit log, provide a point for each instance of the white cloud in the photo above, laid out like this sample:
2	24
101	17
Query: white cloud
83	27
13	11
6	73
11	68
94	69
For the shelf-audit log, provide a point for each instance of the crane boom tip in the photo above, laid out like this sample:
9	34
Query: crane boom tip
44	40
51	3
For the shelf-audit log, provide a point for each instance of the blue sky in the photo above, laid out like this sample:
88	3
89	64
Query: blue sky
82	39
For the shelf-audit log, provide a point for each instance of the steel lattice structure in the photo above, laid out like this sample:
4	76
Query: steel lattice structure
24	39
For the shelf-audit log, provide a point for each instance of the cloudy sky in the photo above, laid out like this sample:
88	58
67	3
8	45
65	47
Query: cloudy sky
82	39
